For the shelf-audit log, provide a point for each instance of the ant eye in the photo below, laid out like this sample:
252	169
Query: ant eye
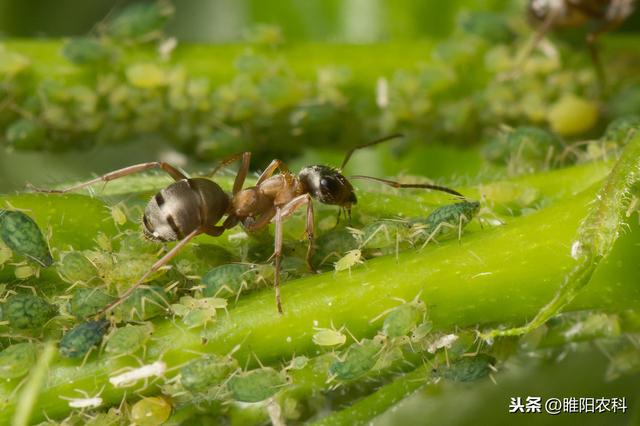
329	184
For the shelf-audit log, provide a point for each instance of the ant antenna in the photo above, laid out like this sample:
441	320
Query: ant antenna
375	142
410	185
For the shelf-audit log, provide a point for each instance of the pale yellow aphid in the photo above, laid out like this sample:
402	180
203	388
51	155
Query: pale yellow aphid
349	260
198	312
103	242
118	215
329	337
5	253
23	272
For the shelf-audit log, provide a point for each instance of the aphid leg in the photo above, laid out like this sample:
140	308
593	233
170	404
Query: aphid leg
270	170
410	185
117	174
159	264
290	208
435	232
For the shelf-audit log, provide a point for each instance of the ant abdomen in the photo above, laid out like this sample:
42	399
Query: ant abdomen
183	207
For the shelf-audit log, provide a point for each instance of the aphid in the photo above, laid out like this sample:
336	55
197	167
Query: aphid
22	235
256	385
86	302
557	14
85	51
349	260
193	206
231	279
329	337
446	220
27	311
402	319
118	215
298	363
358	359
198	312
468	369
151	411
17	360
74	267
130	377
203	373
79	340
23	271
143	304
128	339
385	233
5	253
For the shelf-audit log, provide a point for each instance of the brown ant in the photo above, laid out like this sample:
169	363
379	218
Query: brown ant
193	206
607	15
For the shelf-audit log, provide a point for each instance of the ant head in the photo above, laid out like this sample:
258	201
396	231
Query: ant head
328	186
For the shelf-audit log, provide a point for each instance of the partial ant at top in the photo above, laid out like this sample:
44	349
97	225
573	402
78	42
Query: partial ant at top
193	206
598	16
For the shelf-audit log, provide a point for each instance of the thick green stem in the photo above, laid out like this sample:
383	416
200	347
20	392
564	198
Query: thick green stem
596	236
493	276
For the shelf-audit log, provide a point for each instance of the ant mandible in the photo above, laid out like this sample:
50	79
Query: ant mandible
193	206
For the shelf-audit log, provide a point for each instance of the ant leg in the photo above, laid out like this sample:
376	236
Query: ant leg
290	208
270	170
410	185
159	264
277	253
262	221
172	171
225	162
242	172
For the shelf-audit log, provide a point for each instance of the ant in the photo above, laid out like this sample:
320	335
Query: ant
193	206
607	15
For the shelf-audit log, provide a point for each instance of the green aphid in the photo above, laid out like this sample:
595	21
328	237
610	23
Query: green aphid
28	311
384	233
134	243
25	134
208	371
446	220
256	385
75	267
421	332
333	242
140	21
468	369
17	360
231	279
80	339
403	319
22	235
622	129
87	302
128	267
128	339
531	149
359	359
143	304
85	51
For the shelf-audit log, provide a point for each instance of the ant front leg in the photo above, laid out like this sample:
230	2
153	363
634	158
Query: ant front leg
156	266
282	213
290	208
117	174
